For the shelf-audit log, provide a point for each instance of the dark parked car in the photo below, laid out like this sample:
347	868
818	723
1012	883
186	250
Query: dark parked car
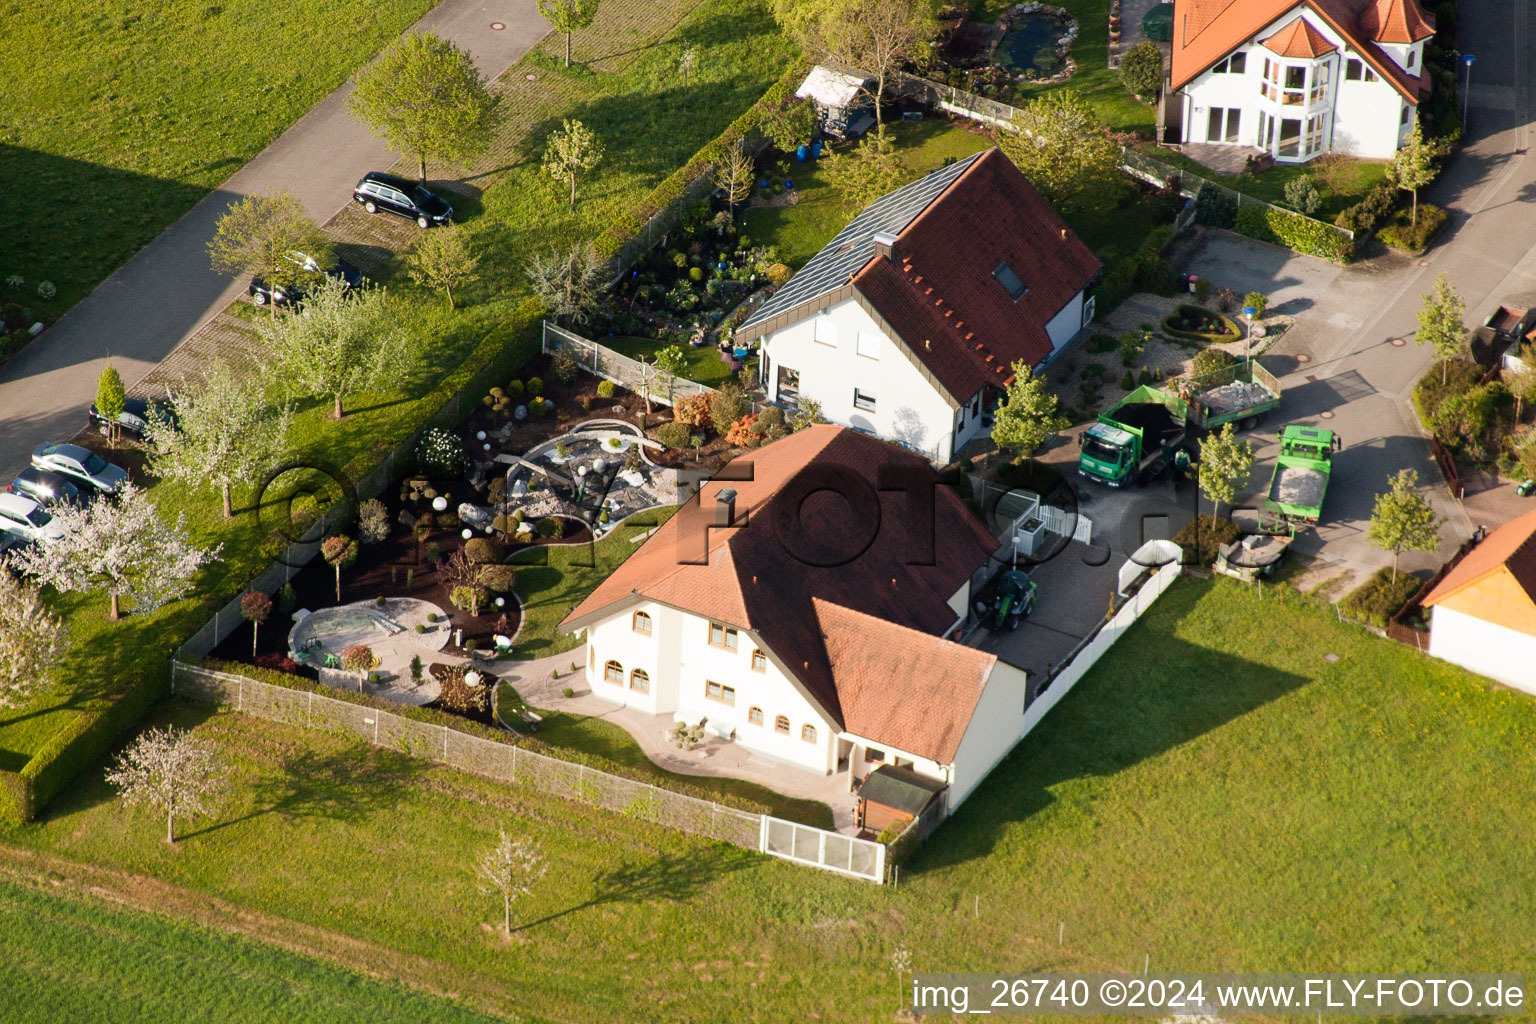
262	293
135	416
45	487
387	193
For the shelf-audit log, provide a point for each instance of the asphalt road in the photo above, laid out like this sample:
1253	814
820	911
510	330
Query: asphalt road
167	290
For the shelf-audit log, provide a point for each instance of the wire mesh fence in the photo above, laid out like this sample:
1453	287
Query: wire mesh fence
632	374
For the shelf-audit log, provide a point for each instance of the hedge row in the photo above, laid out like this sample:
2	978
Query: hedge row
434	716
92	734
627	226
1404	233
1303	234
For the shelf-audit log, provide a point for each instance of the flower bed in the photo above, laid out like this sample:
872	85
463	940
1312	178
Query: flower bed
1201	324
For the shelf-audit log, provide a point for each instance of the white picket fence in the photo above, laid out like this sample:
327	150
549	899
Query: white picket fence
832	851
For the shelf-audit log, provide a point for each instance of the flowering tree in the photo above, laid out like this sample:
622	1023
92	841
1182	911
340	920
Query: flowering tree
573	150
509	869
170	769
118	544
255	607
339	552
359	658
31	640
226	432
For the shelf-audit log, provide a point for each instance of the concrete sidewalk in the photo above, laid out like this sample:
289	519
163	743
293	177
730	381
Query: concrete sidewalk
168	290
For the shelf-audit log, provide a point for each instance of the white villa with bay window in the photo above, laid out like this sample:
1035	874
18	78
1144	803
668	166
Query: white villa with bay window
1298	80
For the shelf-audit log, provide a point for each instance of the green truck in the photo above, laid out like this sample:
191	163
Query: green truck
1300	479
1239	393
1134	441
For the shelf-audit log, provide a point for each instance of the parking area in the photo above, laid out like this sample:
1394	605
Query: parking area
1073	597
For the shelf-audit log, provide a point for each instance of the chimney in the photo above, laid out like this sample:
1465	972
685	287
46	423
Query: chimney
883	241
725	507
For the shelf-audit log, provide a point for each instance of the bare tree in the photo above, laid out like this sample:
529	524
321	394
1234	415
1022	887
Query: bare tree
226	432
170	769
734	173
31	640
509	869
119	544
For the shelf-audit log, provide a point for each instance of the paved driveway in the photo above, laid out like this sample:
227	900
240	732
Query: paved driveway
1291	282
165	292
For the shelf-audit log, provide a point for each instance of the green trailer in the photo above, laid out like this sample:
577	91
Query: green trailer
1134	441
1300	479
1239	393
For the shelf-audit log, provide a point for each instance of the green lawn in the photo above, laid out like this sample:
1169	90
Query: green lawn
121	116
703	363
1341	181
65	956
1215	794
799	231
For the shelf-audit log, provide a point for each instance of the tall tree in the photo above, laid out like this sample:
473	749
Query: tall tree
111	397
568	16
569	283
172	770
443	259
119	544
1225	463
425	97
31	639
1522	381
339	552
572	151
1415	164
733	174
867	173
259	235
1028	416
226	432
342	342
255	608
1065	151
509	869
1441	323
1403	520
875	36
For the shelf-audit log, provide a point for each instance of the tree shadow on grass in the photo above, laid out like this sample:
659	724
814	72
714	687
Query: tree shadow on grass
1149	694
664	877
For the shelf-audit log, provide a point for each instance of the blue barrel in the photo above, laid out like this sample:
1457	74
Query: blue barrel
816	150
802	152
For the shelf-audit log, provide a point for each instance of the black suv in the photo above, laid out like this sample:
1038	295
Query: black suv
386	192
134	419
262	293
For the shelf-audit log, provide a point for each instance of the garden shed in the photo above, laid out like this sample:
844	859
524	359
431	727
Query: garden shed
890	797
840	93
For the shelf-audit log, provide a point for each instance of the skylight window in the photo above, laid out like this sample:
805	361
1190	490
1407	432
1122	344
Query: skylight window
1009	280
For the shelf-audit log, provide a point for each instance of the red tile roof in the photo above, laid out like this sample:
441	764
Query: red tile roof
758	576
1205	31
1511	546
1299	39
1395	21
937	290
899	686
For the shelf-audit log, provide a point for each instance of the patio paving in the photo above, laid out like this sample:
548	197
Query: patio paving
1221	159
368	624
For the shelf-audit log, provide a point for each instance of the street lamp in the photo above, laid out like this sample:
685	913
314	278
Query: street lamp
1249	312
1467	60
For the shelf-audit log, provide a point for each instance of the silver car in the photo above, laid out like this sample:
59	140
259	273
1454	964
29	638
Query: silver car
26	518
80	464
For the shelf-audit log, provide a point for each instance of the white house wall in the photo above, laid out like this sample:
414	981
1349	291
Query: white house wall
907	406
1365	116
680	661
996	726
1487	649
1066	324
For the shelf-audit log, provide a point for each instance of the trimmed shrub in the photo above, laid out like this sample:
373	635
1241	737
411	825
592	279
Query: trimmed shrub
1372	208
535	386
1304	235
498	579
1379	598
1203	536
1210	360
552	527
727	404
770	422
605	389
1214	206
1128	382
483	550
1141	69
470	597
673	435
563	365
1402	234
515	389
692	411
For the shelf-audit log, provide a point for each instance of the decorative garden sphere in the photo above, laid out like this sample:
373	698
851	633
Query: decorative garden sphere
581	470
472	677
468	533
521	412
501	602
599	464
440	503
480	435
486	446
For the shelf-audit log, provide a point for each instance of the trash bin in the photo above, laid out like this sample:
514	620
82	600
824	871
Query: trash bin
816	150
802	152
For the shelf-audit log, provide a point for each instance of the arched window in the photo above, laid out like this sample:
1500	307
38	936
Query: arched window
759	661
755	716
613	672
781	724
640	680
808	733
642	623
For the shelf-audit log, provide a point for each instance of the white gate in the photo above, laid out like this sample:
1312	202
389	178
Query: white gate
804	844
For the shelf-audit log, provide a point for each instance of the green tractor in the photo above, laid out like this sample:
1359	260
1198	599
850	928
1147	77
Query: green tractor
1012	601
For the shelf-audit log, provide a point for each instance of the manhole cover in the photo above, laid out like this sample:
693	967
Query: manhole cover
1325	415
1303	358
532	77
1399	342
1330	656
497	26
